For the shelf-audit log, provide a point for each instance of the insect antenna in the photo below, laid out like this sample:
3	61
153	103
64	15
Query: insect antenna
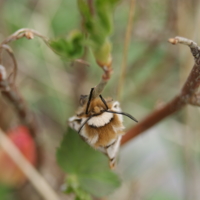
84	123
122	113
103	100
88	103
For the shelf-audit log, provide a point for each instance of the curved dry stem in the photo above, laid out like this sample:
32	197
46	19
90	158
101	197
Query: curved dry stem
9	50
40	184
195	49
3	74
185	96
182	40
11	93
24	32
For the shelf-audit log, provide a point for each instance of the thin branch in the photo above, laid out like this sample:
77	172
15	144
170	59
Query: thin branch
11	93
91	6
8	88
24	32
3	74
126	46
11	54
185	97
34	177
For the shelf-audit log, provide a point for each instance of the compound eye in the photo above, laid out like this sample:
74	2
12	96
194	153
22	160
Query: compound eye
78	121
83	99
116	106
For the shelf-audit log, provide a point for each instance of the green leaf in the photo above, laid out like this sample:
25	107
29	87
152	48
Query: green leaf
99	26
4	192
99	183
70	48
88	168
104	9
73	187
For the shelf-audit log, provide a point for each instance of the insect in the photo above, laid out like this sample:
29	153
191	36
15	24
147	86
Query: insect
99	122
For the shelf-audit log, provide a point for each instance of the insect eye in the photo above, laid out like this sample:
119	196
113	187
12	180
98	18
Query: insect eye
79	114
78	120
83	99
116	105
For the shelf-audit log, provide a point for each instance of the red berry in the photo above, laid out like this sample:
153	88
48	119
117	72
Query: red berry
10	174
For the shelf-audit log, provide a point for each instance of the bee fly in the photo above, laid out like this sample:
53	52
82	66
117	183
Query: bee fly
99	122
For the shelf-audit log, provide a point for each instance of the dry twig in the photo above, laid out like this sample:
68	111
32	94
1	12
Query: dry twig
9	91
7	87
186	96
24	32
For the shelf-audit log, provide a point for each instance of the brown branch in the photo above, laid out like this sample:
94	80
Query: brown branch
187	93
8	89
11	93
11	54
24	32
91	6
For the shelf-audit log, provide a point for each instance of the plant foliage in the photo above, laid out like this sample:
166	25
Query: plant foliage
87	170
98	27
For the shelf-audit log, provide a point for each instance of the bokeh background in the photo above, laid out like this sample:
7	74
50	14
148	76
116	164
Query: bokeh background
160	164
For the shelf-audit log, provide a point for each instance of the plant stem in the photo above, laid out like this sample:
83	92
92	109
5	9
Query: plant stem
186	94
126	47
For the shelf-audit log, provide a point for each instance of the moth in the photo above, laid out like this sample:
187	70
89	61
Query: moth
99	122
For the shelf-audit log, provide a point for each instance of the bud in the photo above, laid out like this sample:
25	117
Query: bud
29	35
103	55
173	40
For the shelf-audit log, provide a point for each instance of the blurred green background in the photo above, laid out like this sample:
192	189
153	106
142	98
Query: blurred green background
161	164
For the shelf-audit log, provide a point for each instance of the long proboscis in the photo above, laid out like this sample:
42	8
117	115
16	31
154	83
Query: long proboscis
122	113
